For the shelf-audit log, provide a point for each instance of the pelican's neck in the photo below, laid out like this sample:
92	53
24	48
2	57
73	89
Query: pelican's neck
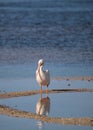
40	68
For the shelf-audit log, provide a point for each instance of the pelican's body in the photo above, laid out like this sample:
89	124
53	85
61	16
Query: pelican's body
42	77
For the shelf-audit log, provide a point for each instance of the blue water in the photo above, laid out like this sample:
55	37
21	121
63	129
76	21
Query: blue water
16	71
28	124
60	32
57	30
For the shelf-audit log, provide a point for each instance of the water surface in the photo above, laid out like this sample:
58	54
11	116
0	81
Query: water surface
31	29
61	32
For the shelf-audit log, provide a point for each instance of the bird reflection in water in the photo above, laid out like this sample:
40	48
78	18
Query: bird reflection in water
42	108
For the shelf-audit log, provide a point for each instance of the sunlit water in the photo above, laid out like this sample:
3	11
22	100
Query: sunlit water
61	32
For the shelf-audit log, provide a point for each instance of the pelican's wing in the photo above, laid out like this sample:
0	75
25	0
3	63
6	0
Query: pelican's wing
47	73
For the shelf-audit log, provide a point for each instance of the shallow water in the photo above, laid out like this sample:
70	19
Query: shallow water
28	124
69	105
16	71
61	32
23	84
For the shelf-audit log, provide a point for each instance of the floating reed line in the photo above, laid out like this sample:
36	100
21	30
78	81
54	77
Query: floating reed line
5	110
33	92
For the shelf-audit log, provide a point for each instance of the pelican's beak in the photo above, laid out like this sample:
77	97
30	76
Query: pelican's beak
41	64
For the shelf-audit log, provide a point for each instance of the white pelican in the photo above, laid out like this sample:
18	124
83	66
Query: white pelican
42	77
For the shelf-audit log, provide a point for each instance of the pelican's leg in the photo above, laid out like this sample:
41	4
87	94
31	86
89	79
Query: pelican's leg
47	90
40	89
40	95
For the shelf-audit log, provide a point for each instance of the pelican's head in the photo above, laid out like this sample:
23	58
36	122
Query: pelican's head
41	62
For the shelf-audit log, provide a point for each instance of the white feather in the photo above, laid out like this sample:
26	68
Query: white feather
42	77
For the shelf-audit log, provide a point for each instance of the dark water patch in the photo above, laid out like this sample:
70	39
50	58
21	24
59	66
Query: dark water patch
33	29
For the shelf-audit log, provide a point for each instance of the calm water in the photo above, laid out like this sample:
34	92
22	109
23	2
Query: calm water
61	32
66	107
28	124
